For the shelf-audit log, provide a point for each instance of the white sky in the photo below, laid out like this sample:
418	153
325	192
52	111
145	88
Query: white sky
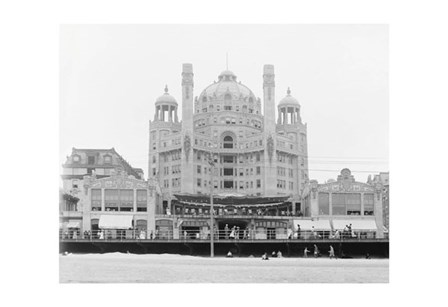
111	76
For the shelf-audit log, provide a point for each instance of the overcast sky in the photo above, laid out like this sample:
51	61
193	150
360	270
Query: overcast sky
111	76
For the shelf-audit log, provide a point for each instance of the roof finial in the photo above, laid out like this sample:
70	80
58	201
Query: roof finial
288	91
166	88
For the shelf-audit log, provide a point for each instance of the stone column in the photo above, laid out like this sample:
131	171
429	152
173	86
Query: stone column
170	114
285	117
362	203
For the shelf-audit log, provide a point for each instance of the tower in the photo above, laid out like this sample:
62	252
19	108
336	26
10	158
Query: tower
187	128
164	124
270	157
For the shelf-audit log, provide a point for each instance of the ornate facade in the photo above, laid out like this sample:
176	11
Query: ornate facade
225	126
345	201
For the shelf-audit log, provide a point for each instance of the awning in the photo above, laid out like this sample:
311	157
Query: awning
357	224
318	224
73	224
194	224
115	222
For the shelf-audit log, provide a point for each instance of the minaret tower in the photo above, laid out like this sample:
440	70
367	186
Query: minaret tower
269	157
187	129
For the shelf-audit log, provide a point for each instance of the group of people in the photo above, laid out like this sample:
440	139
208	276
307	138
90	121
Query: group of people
236	233
317	252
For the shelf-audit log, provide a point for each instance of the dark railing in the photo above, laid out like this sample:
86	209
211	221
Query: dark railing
221	235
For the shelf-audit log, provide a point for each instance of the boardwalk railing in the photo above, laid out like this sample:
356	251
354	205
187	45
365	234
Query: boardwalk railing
219	236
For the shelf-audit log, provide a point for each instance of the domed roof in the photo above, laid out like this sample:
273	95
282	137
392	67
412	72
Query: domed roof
289	100
166	97
227	84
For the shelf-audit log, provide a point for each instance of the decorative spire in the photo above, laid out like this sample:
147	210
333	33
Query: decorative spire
166	89
288	91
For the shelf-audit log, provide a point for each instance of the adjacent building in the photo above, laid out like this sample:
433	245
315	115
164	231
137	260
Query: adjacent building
77	173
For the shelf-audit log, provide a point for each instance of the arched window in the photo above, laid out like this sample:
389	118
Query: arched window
228	142
204	99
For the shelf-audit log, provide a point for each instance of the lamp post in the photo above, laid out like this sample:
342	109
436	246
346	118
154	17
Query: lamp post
212	228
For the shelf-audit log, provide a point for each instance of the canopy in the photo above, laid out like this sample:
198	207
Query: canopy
357	224
308	224
231	199
115	221
73	224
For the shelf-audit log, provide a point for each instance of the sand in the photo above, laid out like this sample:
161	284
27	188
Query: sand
166	268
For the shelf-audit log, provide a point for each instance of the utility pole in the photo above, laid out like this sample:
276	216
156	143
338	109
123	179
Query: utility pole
212	226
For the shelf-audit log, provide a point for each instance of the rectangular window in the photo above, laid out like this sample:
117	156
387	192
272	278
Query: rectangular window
228	184
199	182
142	200
111	199
228	171
198	169
96	199
228	159
324	203
258	183
338	204
228	108
91	159
353	204
369	204
258	170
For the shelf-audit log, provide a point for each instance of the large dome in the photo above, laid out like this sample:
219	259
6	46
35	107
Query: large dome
166	97
227	84
288	99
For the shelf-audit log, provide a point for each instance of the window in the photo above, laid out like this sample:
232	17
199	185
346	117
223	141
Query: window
353	203
227	159
338	203
228	184
91	160
228	142
204	110
96	199
258	170
199	182
198	169
324	203
76	158
154	159
258	183
228	171
369	204
258	157
107	159
228	108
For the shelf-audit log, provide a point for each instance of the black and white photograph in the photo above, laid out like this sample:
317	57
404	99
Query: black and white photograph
220	153
223	153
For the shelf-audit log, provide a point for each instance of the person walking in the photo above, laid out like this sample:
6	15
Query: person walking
305	252
232	233
316	251
331	252
226	232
